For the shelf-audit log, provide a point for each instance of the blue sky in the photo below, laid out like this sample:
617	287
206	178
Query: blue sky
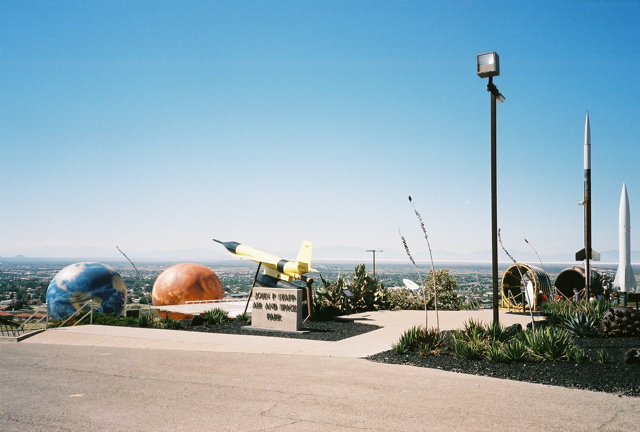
162	124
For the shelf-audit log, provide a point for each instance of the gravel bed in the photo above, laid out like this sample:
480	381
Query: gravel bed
329	330
616	376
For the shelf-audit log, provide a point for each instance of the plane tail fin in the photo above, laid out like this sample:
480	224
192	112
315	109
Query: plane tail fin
304	257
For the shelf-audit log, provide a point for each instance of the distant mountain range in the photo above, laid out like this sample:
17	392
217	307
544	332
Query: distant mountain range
319	254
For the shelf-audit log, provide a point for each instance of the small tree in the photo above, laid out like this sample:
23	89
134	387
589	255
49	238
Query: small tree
446	289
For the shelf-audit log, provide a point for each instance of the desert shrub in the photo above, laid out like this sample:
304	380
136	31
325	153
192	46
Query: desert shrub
329	299
169	324
498	333
146	320
368	294
404	299
446	287
364	288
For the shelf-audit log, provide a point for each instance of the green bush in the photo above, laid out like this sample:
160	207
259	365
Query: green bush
404	299
170	324
146	320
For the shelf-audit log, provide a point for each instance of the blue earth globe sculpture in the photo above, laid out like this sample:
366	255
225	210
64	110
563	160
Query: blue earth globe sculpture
78	283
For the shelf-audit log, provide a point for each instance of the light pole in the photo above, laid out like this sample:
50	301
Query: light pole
374	260
488	66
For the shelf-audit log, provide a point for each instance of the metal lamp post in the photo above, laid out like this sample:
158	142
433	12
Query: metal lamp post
374	260
488	66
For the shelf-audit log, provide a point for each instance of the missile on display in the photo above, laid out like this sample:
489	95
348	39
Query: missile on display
275	266
587	253
625	280
278	272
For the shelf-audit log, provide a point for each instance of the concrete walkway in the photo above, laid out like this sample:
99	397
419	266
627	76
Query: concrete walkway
96	378
393	324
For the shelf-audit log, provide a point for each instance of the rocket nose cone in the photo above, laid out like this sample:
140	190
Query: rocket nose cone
587	130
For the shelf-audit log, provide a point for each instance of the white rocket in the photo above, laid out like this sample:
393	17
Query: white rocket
625	280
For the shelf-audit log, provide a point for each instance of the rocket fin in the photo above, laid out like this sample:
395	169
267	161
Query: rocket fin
581	255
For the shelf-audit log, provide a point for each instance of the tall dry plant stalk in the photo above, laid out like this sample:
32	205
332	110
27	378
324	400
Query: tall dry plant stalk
144	291
534	249
433	268
522	278
424	289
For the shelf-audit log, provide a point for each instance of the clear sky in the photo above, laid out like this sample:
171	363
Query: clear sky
163	124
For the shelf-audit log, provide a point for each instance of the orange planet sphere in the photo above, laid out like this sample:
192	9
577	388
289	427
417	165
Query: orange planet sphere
182	283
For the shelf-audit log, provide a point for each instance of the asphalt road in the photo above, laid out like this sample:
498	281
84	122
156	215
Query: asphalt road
47	387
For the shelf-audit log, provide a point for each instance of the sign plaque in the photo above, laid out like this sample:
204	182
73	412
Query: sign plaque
277	309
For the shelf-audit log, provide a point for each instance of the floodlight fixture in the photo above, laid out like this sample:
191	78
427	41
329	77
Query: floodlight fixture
488	64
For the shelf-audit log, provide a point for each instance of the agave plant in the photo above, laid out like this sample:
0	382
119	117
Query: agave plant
468	349
577	355
581	324
408	341
548	343
603	356
419	338
495	354
215	316
515	350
